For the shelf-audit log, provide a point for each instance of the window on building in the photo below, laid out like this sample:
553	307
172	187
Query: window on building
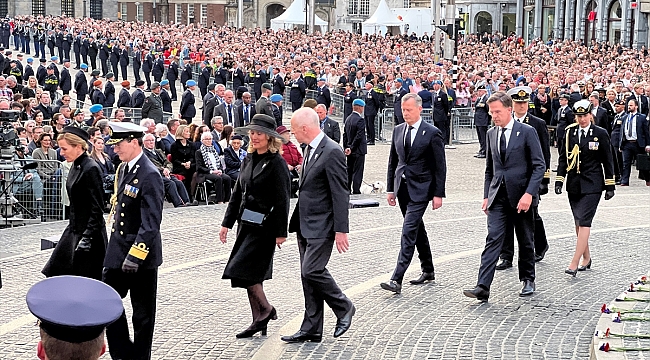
407	3
67	8
4	8
364	7
124	13
353	7
179	14
204	14
96	9
139	12
190	13
38	7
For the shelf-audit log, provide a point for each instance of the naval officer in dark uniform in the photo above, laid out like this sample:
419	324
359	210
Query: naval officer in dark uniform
482	119
586	155
521	98
135	250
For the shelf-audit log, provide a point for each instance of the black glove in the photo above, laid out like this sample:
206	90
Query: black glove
558	189
543	189
609	194
84	245
129	266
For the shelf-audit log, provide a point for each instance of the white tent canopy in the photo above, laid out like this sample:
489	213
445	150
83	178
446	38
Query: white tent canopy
383	17
295	15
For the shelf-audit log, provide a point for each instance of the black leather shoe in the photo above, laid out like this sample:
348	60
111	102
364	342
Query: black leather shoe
477	293
572	272
528	289
343	324
302	336
480	156
584	268
540	257
504	264
423	278
393	286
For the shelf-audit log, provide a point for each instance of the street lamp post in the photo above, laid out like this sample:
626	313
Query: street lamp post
85	13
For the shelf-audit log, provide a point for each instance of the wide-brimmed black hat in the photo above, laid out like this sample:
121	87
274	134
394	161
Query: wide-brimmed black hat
262	123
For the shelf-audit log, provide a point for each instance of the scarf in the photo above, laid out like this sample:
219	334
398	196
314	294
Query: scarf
542	98
206	151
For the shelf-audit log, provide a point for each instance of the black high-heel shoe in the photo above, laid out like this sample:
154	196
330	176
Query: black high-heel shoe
252	330
572	272
584	268
273	315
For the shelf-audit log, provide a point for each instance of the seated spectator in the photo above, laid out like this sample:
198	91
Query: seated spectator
28	109
29	127
225	136
104	162
183	157
210	167
29	91
31	146
292	156
175	191
233	157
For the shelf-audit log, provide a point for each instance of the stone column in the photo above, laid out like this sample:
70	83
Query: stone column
52	7
556	20
520	18
601	17
640	29
538	19
580	20
567	19
626	23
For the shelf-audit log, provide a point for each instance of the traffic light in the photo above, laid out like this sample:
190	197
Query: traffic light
460	24
448	29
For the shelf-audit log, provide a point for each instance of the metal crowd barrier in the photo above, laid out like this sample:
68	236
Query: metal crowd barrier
44	195
462	124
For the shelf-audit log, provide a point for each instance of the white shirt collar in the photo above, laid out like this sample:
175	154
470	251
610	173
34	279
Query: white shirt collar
586	129
135	160
510	125
416	126
314	143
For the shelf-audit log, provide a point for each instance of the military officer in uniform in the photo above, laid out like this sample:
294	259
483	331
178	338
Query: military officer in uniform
278	82
323	95
482	119
521	98
298	90
152	107
134	251
263	105
124	99
562	119
355	146
81	85
441	107
400	91
586	153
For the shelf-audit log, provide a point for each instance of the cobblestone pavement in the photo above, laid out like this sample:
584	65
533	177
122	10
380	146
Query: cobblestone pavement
198	313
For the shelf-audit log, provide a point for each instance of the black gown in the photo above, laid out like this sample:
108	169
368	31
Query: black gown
86	193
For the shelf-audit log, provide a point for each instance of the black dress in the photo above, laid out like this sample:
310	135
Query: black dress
85	191
264	186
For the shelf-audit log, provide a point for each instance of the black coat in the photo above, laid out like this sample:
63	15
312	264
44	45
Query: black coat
298	91
138	214
181	154
347	103
188	110
332	130
172	71
137	99
563	118
86	193
440	105
80	84
266	189
324	97
166	101
233	164
354	137
278	85
65	82
125	99
109	92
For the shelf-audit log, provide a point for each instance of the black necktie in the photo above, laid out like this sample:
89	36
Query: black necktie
407	141
307	154
246	120
229	114
502	145
583	136
126	168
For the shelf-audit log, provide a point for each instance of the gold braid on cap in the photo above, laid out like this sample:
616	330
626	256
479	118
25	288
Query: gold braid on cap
113	200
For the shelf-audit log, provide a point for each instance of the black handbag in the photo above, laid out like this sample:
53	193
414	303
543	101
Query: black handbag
643	162
253	218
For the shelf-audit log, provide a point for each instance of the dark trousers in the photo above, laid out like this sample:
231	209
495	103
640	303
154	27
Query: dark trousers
370	128
147	78
61	54
51	50
172	87
221	184
115	69
104	63
93	62
500	217
540	241
143	286
414	236
318	285
355	172
77	59
80	100
617	157
84	57
443	126
136	73
630	150
176	191
481	131
204	91
125	75
296	105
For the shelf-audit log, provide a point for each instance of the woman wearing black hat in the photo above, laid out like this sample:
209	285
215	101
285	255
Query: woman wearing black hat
82	246
260	206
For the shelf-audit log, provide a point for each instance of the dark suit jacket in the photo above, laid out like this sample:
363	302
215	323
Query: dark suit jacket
563	118
425	167
397	105
332	130
602	119
233	164
137	99
239	114
642	131
124	100
354	136
642	100
65	82
208	109
323	199
347	103
523	170
324	97
440	105
222	111
202	168
137	217
481	112
158	159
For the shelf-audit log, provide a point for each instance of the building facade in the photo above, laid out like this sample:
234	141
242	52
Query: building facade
97	9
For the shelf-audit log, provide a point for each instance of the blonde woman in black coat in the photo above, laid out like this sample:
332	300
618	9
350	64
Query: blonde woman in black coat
263	187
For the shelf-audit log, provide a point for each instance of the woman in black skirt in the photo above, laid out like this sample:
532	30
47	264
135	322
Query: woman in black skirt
585	155
263	188
82	246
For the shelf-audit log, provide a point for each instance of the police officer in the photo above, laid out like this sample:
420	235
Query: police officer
72	326
375	101
134	251
80	85
586	153
310	77
298	90
258	77
51	82
482	119
521	98
263	105
152	107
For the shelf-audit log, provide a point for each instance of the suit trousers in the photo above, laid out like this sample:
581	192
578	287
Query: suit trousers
147	77
115	67
143	286
414	235
501	216
630	150
124	70
318	285
104	63
481	131
172	87
296	105
540	241
136	74
443	126
356	164
176	191
370	128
